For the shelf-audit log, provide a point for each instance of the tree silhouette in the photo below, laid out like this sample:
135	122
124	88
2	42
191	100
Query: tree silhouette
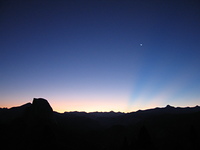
144	141
193	138
125	145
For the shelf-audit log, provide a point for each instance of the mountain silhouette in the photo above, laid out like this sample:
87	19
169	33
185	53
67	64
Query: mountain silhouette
36	126
41	108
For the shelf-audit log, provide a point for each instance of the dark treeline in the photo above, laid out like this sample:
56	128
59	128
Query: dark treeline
36	126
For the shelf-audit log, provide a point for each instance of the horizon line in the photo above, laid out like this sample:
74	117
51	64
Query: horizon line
82	111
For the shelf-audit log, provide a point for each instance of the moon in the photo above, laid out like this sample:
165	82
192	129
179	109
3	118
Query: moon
141	44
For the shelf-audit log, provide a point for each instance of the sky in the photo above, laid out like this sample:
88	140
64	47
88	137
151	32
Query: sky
100	55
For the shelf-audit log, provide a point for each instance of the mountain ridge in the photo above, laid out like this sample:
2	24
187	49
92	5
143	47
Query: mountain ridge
36	125
106	112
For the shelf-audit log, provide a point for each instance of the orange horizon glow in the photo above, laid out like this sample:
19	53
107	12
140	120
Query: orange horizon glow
106	106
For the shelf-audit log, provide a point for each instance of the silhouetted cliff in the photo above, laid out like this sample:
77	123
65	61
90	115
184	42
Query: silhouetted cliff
29	126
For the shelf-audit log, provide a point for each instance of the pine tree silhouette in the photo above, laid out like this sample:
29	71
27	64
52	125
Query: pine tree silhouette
125	145
193	138
144	141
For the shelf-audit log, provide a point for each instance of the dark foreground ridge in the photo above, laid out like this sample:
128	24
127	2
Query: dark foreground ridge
36	126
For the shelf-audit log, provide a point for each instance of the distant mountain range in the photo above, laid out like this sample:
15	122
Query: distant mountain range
35	125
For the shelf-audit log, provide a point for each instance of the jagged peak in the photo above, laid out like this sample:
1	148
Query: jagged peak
169	106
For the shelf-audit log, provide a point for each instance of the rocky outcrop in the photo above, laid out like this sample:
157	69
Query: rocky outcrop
30	126
40	125
41	109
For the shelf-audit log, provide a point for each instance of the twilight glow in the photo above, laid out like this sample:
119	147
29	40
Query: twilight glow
100	55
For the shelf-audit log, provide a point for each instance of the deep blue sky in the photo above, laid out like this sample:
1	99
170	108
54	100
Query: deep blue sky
86	55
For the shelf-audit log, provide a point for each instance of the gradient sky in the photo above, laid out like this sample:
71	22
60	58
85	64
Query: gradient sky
86	55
